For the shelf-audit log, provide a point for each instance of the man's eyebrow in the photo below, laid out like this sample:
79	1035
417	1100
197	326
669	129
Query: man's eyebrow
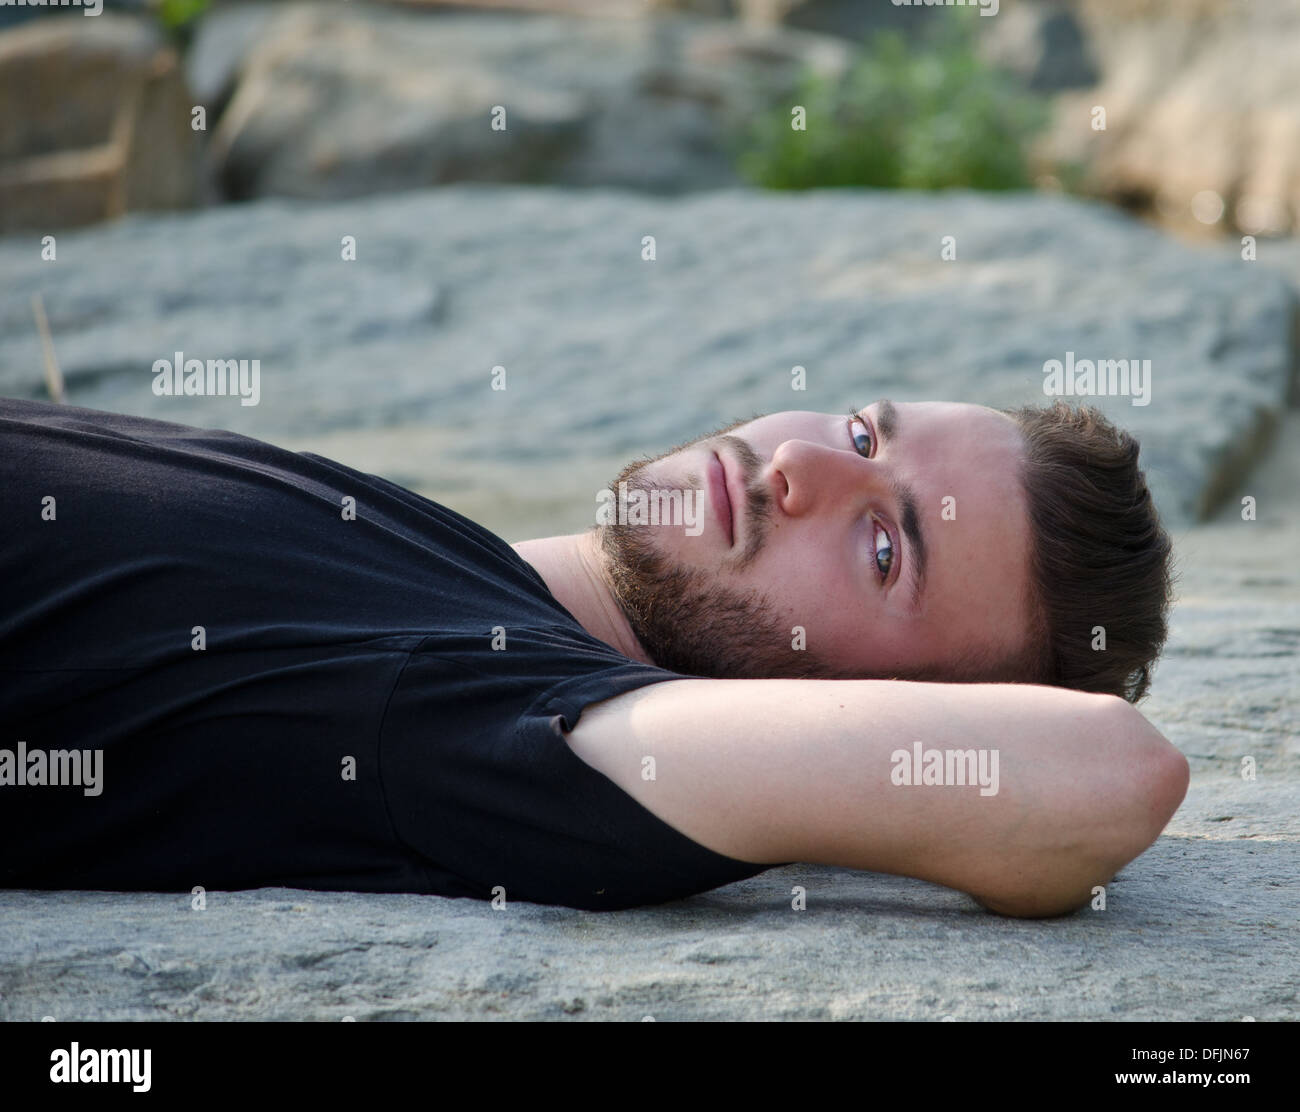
887	429
886	419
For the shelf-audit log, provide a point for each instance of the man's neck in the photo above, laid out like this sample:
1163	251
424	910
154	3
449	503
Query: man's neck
572	569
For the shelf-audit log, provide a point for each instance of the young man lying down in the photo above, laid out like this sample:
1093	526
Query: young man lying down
906	640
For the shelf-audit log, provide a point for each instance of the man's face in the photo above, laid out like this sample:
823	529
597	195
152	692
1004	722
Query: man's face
902	552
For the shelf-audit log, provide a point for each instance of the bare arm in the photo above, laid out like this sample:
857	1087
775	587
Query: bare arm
800	770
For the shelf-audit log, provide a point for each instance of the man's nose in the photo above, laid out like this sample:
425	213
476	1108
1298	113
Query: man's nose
806	477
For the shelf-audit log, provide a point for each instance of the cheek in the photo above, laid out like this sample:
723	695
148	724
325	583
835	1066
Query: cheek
813	590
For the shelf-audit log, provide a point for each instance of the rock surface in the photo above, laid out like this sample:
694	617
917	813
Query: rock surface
340	102
94	122
1202	108
387	361
630	355
1202	97
1204	926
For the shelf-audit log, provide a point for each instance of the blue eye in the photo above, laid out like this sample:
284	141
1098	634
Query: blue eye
861	435
883	547
884	551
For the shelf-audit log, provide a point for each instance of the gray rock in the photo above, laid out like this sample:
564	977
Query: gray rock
387	361
339	102
1229	684
223	39
94	122
1044	43
1200	928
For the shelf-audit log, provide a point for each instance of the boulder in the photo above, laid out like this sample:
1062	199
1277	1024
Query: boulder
222	40
338	102
94	122
1202	106
1044	43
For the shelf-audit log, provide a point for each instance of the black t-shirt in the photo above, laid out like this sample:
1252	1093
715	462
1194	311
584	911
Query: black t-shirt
287	686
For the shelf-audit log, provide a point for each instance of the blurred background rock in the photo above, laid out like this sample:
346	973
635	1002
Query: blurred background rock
272	130
331	100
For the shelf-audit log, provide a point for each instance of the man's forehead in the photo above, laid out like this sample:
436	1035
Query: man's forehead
963	433
966	463
940	410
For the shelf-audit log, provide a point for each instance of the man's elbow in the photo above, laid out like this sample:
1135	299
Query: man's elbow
1162	778
1140	799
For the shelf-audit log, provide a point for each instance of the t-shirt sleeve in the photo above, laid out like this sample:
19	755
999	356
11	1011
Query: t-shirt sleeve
483	786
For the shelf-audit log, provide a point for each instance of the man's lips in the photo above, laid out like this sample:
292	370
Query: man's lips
720	498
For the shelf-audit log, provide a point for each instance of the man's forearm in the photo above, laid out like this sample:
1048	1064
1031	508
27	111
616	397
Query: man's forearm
827	771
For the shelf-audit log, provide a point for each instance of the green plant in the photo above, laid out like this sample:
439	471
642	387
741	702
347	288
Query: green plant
932	117
178	17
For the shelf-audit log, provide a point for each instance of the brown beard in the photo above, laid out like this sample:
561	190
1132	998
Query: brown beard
685	619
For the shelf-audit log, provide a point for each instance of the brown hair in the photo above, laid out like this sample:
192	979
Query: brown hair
1099	557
